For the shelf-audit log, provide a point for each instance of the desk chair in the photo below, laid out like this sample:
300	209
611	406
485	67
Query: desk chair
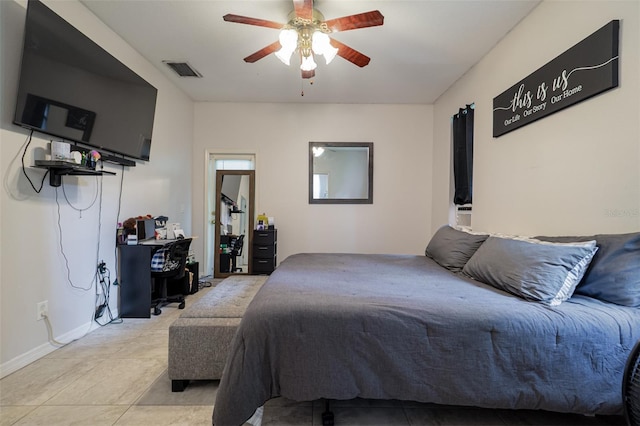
168	263
236	251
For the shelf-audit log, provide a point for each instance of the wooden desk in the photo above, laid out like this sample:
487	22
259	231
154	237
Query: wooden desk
134	277
134	263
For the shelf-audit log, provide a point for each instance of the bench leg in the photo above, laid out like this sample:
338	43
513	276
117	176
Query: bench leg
327	416
179	385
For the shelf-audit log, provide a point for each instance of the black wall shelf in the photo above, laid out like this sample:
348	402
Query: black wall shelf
57	169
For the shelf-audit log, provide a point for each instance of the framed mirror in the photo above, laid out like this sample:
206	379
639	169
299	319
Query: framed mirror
340	172
235	193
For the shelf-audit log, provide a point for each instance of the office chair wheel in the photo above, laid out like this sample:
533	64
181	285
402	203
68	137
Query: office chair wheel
181	306
156	310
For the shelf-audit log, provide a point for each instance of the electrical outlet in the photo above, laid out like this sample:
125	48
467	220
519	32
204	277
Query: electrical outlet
42	310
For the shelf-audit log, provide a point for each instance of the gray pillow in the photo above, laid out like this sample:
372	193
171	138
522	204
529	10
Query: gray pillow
614	273
452	248
534	270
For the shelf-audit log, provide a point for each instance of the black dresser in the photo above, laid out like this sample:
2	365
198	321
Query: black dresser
265	251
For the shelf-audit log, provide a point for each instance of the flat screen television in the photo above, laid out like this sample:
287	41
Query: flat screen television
73	89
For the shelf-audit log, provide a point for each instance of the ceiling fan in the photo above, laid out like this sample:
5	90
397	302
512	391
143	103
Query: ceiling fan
308	32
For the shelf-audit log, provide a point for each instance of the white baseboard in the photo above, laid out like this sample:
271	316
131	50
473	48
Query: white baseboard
35	354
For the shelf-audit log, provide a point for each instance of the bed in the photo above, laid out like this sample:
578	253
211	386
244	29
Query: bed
426	328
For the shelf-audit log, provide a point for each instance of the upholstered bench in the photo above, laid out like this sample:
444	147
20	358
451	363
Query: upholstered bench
200	339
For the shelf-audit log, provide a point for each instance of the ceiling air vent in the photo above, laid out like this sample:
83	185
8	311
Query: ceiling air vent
183	69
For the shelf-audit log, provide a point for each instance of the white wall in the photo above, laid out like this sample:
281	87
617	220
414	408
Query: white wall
573	172
32	265
399	219
576	171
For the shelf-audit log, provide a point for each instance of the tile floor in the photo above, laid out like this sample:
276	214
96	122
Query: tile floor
116	375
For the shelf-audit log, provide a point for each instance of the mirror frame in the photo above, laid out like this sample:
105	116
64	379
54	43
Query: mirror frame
368	200
248	243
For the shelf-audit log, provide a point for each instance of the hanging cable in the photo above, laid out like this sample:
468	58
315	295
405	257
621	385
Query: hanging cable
55	342
5	180
52	340
120	193
95	277
80	210
115	250
24	169
103	305
104	275
66	260
104	279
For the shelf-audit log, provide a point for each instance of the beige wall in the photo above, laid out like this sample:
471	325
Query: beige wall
576	171
398	221
573	172
32	266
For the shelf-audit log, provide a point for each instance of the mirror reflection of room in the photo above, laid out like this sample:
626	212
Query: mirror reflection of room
340	172
234	223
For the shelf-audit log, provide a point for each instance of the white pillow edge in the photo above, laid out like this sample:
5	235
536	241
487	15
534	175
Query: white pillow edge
589	243
468	230
572	279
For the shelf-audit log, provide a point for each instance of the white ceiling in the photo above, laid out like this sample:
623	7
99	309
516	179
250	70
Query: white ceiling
423	47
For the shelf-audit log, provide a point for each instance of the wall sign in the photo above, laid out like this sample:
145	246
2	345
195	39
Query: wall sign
585	70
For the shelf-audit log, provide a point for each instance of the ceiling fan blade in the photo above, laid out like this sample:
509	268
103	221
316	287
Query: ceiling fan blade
303	8
252	21
350	54
352	22
263	52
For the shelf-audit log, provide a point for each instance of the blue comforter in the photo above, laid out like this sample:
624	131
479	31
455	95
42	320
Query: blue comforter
341	326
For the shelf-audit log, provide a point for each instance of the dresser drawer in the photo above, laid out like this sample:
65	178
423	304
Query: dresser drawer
264	252
266	237
264	266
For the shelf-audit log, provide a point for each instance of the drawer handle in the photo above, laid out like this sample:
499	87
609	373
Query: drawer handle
263	261
263	248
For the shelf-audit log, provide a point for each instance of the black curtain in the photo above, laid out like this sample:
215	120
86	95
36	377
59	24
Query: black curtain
463	155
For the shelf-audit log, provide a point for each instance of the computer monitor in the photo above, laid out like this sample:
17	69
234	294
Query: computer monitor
145	229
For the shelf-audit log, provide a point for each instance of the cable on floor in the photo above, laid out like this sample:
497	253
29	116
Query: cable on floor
104	278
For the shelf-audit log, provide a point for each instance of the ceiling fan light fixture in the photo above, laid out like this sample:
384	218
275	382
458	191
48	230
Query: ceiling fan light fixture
284	56
307	32
321	45
289	41
308	64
